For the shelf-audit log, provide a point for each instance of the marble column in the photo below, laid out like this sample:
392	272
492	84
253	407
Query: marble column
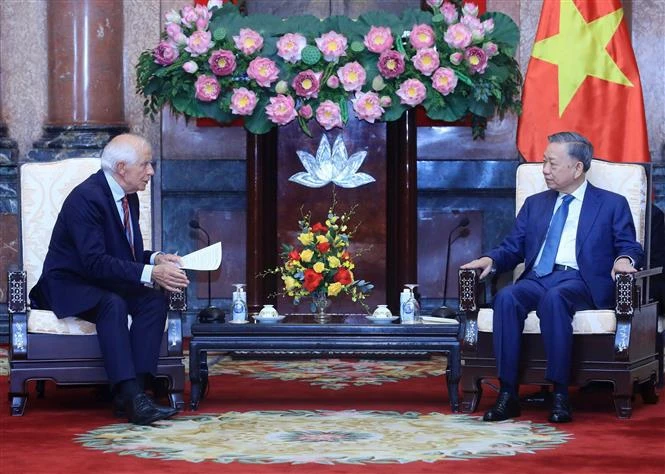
85	83
8	216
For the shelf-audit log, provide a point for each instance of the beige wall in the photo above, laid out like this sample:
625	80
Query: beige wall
23	60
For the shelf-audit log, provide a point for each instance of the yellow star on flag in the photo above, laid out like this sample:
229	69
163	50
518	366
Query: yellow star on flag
579	51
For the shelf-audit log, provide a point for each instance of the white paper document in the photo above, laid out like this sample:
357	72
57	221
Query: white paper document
206	259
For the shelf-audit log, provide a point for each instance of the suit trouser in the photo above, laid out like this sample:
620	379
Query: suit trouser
130	351
555	297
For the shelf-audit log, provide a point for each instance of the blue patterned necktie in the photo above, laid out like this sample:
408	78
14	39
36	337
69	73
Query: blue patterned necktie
551	247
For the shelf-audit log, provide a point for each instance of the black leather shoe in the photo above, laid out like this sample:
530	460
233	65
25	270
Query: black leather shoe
504	408
141	410
120	412
561	412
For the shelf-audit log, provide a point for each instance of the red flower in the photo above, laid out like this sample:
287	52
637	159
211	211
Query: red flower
294	255
346	255
323	247
312	280
342	276
318	227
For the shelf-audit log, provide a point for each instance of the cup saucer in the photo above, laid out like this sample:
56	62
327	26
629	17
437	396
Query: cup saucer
242	321
382	320
268	319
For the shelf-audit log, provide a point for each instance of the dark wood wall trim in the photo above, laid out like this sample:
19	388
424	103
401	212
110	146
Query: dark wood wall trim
402	264
261	216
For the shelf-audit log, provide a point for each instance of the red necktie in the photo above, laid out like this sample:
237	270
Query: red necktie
127	224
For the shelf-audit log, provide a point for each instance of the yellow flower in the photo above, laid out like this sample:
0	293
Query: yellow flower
306	238
334	289
321	239
333	262
349	265
306	255
292	265
290	283
319	267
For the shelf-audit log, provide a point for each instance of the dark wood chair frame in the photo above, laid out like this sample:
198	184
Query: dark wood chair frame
626	358
76	359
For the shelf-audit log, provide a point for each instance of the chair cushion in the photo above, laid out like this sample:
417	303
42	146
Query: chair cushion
46	322
595	321
44	187
42	321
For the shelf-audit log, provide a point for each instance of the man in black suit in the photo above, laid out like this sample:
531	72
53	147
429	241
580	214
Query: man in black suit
658	255
96	269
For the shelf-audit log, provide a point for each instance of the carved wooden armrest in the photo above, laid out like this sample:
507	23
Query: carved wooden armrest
628	300
468	305
177	305
17	307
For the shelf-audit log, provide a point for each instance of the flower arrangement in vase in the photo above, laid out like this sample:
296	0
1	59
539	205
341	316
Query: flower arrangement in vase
320	266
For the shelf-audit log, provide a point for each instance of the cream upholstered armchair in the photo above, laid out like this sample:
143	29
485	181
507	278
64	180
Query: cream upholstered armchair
617	345
66	350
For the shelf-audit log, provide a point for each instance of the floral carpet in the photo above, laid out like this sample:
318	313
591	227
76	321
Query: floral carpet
330	374
333	437
324	437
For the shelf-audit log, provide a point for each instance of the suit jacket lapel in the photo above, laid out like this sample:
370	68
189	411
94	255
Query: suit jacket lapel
590	209
101	180
547	211
114	208
544	213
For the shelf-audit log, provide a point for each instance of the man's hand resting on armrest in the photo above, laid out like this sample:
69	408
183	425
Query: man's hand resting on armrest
167	272
482	263
622	265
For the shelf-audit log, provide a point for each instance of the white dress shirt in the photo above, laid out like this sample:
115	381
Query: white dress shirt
118	194
567	252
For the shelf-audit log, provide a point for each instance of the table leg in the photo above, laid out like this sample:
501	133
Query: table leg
194	375
204	374
453	373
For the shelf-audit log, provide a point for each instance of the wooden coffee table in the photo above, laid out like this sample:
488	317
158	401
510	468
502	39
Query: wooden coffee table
344	336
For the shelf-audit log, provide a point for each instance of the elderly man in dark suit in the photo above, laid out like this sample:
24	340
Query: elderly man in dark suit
96	269
573	239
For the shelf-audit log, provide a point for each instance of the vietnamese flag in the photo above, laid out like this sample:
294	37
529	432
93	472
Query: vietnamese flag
583	77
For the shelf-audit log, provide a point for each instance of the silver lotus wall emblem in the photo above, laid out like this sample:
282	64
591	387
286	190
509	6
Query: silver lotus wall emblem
331	166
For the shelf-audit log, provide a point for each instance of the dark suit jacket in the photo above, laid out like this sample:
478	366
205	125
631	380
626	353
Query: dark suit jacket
89	252
605	231
658	255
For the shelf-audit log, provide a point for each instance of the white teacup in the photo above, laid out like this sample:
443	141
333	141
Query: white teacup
382	311
268	311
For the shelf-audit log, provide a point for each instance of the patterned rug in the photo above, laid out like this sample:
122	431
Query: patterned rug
330	374
321	436
324	437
